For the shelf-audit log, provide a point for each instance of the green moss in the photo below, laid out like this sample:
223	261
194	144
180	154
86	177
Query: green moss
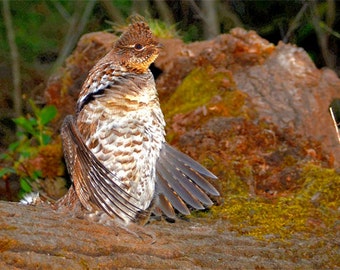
321	189
289	160
314	208
162	30
198	89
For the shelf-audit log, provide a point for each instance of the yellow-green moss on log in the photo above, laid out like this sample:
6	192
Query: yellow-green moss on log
314	208
199	88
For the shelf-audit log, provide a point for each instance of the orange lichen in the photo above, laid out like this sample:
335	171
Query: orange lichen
249	48
7	244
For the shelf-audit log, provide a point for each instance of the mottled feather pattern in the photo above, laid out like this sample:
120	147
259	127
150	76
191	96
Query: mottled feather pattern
115	147
100	77
96	187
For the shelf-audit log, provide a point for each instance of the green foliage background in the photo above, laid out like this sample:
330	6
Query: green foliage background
41	32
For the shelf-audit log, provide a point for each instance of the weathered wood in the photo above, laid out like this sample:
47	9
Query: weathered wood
36	237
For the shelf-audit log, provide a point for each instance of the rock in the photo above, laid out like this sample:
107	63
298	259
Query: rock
288	90
282	83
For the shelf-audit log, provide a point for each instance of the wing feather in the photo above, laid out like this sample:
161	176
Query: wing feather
95	180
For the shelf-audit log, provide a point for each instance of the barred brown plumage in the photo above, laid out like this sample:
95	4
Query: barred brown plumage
115	147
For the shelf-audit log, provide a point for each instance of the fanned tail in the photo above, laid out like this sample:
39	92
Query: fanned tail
181	181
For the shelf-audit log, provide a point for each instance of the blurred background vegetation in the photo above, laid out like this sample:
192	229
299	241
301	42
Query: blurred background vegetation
37	36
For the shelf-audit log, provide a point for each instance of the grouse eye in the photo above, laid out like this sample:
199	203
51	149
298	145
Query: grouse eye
138	47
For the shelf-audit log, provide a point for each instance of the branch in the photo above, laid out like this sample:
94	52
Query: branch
211	25
112	11
296	22
141	7
78	23
323	36
15	61
165	12
208	15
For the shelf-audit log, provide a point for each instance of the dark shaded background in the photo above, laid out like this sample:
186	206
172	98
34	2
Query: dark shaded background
46	31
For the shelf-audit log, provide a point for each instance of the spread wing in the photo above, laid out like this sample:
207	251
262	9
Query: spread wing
94	183
181	181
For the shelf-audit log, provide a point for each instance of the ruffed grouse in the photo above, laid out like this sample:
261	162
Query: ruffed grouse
114	147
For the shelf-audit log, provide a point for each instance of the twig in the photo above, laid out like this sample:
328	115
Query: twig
295	23
329	30
62	11
322	36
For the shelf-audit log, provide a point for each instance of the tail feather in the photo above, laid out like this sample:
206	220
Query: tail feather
181	181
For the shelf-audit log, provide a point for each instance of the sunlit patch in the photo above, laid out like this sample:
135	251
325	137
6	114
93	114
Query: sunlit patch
334	110
30	198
